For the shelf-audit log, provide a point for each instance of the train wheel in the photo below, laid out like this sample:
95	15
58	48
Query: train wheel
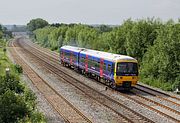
98	78
113	85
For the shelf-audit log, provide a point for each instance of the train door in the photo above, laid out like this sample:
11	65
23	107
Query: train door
62	56
71	57
101	67
78	58
86	63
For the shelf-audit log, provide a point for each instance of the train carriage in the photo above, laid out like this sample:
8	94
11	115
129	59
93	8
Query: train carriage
69	56
95	64
116	70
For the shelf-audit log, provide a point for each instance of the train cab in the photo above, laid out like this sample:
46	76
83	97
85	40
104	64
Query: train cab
126	73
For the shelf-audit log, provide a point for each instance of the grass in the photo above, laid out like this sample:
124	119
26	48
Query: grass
5	63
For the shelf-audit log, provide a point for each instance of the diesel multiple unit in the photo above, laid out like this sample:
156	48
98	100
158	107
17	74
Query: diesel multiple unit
117	71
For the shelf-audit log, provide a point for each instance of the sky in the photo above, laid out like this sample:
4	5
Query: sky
112	12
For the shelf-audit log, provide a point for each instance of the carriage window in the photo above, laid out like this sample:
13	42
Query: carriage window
82	59
89	62
93	63
109	67
98	64
104	66
73	57
67	54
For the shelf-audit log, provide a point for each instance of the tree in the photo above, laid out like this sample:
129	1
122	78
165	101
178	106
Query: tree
140	37
162	61
36	24
7	32
56	25
1	34
1	31
104	28
86	37
1	28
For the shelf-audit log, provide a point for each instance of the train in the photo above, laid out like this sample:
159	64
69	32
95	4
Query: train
114	70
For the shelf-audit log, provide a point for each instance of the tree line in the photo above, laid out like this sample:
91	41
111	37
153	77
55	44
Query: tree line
154	43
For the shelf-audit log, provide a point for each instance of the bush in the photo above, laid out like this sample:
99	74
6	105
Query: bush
4	50
12	107
157	83
17	103
176	84
10	83
19	68
30	99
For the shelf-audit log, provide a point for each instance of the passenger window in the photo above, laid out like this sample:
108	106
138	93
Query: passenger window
89	62
82	59
98	64
109	67
104	66
93	63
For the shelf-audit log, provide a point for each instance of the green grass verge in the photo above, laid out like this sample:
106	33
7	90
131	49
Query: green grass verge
5	63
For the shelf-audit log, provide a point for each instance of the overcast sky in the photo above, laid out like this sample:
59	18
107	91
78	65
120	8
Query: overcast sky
86	11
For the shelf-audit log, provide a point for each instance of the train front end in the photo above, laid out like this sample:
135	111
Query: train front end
126	73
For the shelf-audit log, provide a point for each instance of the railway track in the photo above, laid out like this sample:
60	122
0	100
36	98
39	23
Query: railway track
155	106
41	56
69	113
159	94
120	109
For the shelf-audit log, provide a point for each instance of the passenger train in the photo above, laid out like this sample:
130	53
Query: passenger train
116	71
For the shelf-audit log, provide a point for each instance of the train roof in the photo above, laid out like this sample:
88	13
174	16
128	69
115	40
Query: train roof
107	56
71	48
99	54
